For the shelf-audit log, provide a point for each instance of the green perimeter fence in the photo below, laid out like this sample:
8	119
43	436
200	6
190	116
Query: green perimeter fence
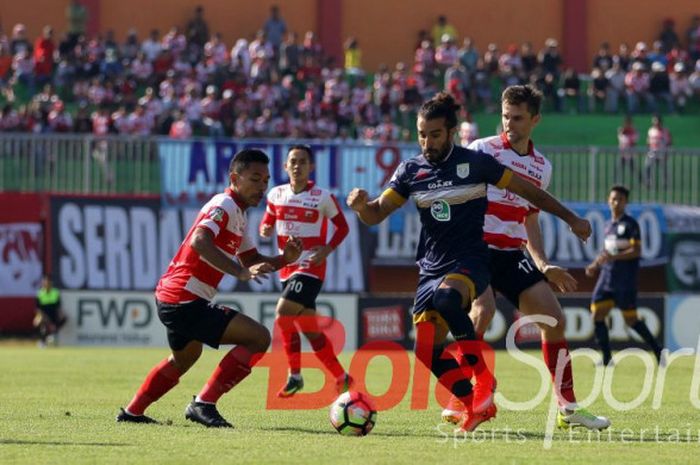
122	165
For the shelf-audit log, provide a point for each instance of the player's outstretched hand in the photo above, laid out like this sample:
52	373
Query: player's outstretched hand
260	271
266	230
582	228
591	270
292	249
357	199
603	258
561	278
244	275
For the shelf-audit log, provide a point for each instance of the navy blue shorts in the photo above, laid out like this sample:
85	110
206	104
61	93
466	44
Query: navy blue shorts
475	271
624	297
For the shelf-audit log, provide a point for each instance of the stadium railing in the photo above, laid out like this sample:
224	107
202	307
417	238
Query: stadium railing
80	164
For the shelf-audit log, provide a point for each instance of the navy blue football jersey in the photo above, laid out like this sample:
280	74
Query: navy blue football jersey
451	201
620	235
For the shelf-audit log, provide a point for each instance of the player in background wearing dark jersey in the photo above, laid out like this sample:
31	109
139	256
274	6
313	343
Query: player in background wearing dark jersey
511	225
301	209
185	291
618	264
448	185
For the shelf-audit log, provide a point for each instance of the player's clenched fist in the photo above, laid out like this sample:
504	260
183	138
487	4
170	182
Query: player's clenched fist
582	228
292	249
357	199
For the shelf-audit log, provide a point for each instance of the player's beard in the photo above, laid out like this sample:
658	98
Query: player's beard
436	156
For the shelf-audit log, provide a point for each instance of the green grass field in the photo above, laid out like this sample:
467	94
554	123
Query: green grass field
58	407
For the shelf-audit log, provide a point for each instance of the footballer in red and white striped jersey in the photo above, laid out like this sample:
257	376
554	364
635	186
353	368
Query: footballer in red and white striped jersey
184	292
510	226
505	216
189	275
301	210
304	215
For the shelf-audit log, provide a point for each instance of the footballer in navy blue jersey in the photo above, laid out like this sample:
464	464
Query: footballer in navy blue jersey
451	202
617	280
618	267
448	185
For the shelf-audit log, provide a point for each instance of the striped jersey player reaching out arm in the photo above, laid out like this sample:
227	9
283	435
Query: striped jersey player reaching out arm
302	209
511	226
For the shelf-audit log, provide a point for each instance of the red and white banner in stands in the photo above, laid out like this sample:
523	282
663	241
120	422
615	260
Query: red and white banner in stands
21	253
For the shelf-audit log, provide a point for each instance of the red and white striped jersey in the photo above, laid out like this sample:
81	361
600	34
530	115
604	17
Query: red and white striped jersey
304	215
504	226
190	276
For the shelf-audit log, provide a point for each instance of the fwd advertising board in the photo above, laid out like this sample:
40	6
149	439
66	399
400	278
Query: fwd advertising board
131	319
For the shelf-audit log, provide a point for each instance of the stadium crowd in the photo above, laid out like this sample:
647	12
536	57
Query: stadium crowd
189	82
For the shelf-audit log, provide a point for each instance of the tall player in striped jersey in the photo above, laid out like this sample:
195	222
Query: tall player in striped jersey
510	225
448	185
302	209
185	291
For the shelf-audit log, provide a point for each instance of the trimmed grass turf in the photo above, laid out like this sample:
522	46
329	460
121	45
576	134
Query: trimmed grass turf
58	406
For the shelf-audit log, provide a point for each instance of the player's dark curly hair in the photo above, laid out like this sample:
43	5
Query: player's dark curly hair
529	95
244	158
443	105
621	190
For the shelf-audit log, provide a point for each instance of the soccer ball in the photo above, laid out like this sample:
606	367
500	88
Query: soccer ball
353	414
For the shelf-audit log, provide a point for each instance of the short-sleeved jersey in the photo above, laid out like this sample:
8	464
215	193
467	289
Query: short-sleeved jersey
504	226
189	276
619	235
304	215
451	201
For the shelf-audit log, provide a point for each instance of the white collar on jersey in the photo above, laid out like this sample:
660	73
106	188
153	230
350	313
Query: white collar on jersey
447	157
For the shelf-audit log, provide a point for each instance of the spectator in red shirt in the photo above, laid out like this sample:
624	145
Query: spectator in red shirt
181	128
43	56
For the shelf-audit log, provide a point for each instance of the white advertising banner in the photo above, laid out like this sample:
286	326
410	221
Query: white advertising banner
126	245
131	319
